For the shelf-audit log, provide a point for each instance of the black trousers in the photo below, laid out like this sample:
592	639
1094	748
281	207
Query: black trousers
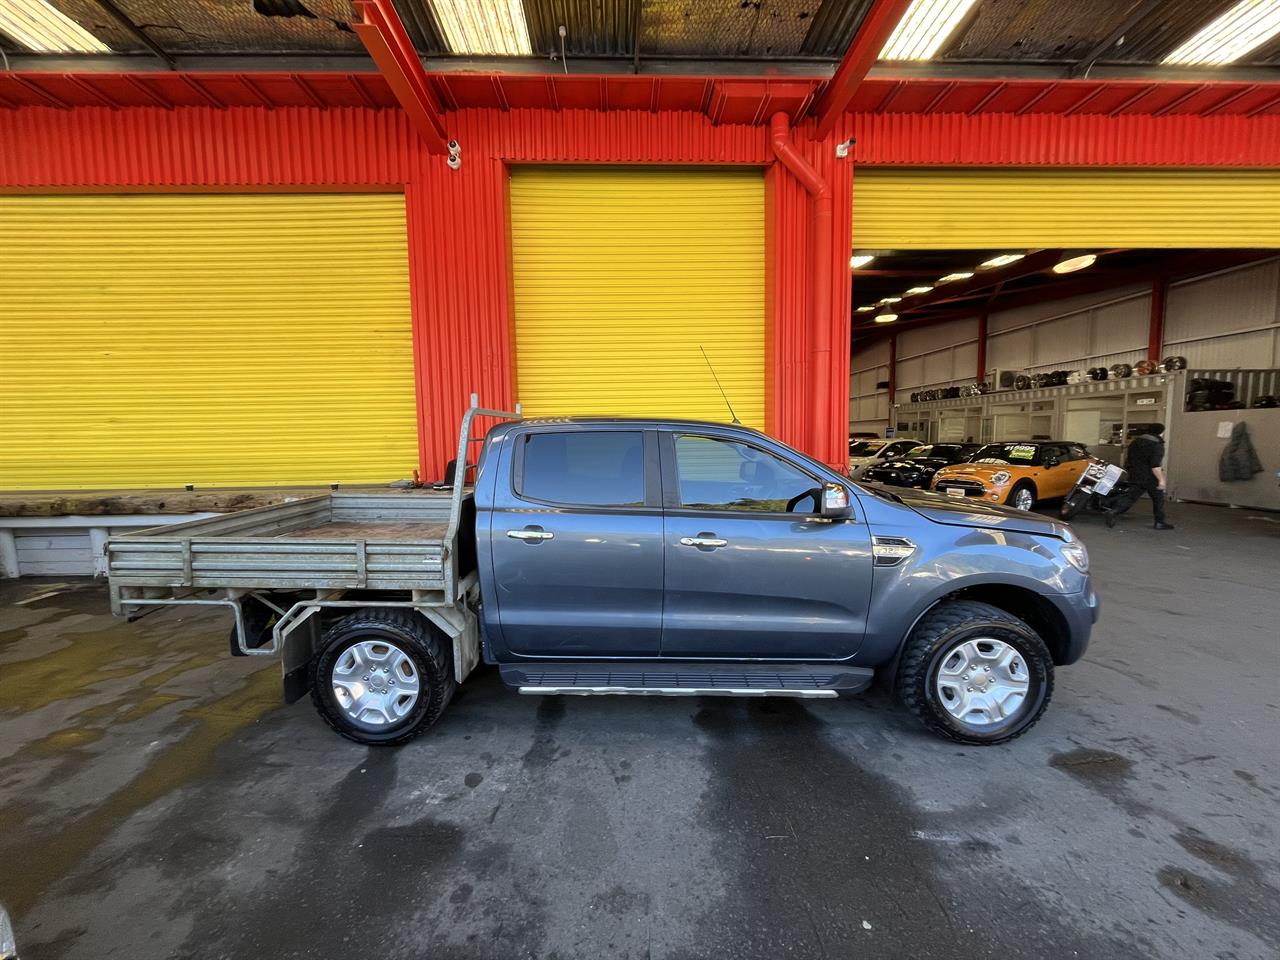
1132	495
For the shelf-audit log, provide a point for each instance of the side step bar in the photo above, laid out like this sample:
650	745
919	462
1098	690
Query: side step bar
685	679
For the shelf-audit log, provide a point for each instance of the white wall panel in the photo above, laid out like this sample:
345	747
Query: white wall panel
1019	316
868	406
1120	327
928	339
1236	300
1248	350
1066	338
1230	319
1009	351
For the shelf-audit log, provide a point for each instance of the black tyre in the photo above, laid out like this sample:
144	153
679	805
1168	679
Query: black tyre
382	676
1022	496
975	674
1073	504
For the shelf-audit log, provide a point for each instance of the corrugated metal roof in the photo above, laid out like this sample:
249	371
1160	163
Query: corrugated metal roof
219	26
593	28
1016	32
725	28
834	26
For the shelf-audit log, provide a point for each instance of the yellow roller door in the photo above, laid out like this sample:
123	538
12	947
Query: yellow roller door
940	208
156	341
620	276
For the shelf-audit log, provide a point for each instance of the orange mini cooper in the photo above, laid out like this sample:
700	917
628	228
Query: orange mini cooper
1018	474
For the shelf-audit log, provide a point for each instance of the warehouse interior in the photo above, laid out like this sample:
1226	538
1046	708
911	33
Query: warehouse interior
257	252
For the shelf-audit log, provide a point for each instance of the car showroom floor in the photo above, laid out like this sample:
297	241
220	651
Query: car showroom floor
157	801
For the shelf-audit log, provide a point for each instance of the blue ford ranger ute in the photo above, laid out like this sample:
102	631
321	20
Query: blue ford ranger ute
644	556
670	557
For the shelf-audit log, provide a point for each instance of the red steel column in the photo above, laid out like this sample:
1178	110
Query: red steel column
1155	328
982	346
893	379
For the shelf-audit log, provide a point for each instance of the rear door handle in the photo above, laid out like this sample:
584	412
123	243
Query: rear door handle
531	533
703	542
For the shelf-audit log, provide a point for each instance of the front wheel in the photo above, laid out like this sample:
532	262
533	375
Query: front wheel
1023	497
382	676
1072	506
975	674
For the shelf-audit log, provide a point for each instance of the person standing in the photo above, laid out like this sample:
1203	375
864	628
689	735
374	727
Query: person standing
1144	462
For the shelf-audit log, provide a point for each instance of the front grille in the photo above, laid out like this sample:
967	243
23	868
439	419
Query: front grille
971	488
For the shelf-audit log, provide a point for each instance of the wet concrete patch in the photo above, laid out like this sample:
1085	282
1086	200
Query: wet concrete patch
822	847
1237	893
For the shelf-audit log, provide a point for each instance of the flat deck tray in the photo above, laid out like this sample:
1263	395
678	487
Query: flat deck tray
384	541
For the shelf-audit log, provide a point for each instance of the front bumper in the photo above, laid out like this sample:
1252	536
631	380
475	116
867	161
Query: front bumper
1080	611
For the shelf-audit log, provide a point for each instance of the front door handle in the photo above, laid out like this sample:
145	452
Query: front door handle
534	534
703	541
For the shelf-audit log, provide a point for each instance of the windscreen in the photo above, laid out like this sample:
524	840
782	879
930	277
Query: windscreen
866	448
1015	454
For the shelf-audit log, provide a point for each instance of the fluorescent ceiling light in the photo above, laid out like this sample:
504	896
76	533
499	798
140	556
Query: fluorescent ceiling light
1003	260
860	260
1246	26
1072	264
886	318
915	290
924	28
483	27
955	276
45	29
866	309
891	300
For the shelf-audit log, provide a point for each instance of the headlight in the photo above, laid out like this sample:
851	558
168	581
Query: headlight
1076	555
1001	477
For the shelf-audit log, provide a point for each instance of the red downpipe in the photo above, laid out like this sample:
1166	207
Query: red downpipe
822	224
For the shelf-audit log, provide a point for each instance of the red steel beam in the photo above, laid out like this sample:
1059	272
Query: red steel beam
384	36
858	59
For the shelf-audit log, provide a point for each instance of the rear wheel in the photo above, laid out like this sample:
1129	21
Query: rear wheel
974	673
382	676
1022	497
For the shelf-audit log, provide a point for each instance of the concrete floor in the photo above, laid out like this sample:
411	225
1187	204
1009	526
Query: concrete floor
157	801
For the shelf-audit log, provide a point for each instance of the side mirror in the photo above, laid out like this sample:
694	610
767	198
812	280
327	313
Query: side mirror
835	502
1051	462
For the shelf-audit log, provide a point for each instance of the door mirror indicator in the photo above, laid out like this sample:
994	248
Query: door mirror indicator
835	502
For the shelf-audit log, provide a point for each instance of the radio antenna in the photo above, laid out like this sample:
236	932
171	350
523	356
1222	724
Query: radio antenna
718	387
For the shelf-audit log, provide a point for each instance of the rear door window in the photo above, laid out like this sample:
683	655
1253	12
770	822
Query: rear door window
603	468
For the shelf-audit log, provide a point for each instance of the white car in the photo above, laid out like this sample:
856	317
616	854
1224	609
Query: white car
864	453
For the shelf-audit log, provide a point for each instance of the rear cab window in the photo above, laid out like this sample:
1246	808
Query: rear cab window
603	468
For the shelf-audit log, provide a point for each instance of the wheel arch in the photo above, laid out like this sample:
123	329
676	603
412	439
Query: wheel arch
1024	603
1024	482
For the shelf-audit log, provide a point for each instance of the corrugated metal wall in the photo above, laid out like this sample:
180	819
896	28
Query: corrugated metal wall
459	265
164	340
933	356
622	278
1097	330
959	208
868	405
1231	319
